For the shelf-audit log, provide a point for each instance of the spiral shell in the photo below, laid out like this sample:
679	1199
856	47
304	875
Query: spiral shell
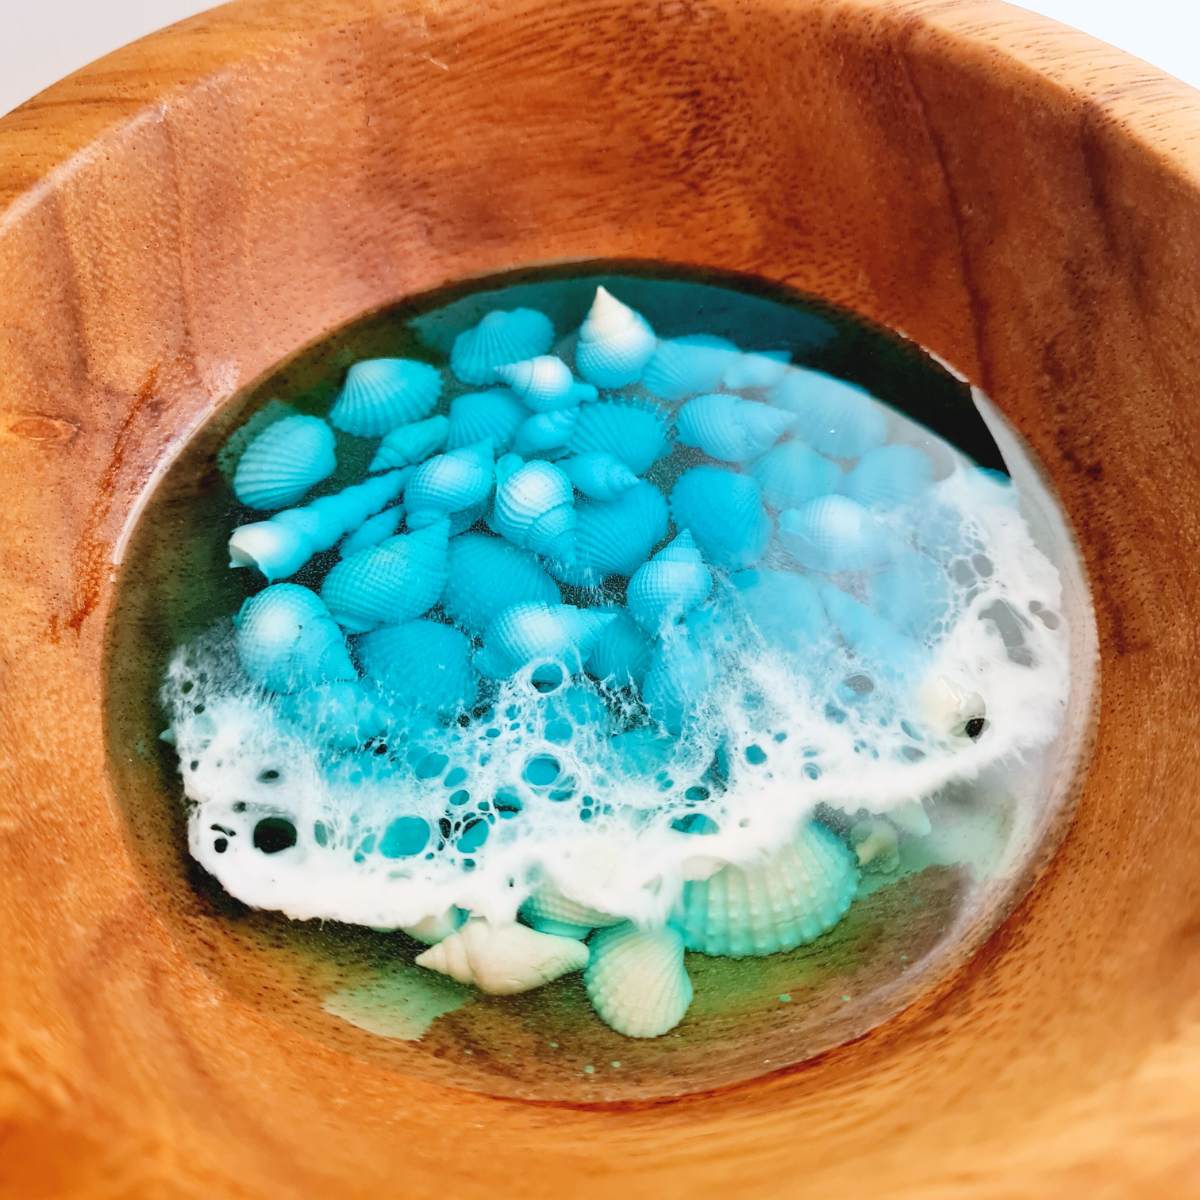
613	537
421	666
834	533
546	433
411	444
486	574
342	715
634	433
636	980
621	654
889	477
535	507
374	530
615	343
453	482
499	339
550	910
729	428
599	475
681	674
494	416
503	960
688	365
545	383
835	418
674	581
535	633
756	369
724	513
436	927
792	473
285	460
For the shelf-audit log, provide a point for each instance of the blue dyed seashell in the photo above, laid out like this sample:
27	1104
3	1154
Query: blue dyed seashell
681	674
644	752
636	434
791	474
284	461
881	648
913	593
834	533
729	428
546	433
485	575
688	365
672	583
889	477
535	508
281	545
494	416
784	607
421	666
545	383
395	581
449	483
834	417
373	531
615	343
410	444
499	339
599	475
621	653
614	537
725	514
756	369
530	634
342	715
286	639
381	393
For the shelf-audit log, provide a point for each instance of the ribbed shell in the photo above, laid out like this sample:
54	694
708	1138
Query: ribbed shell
436	927
374	530
485	575
688	365
615	343
672	583
792	473
835	418
729	428
680	676
410	444
545	383
889	477
614	537
494	415
548	905
532	633
280	465
381	393
621	653
834	533
503	960
787	900
756	369
342	715
599	475
634	433
546	433
449	483
636	980
535	508
421	666
724	513
499	339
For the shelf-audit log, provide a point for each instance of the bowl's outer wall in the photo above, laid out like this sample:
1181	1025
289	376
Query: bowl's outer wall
182	215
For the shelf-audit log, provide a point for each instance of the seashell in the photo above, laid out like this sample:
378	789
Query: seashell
499	339
535	508
876	845
834	533
531	633
634	433
449	483
756	369
467	518
688	365
951	708
643	752
787	900
550	911
913	593
836	418
724	513
493	415
673	582
546	432
889	477
373	531
621	654
729	428
436	927
281	545
545	383
615	343
284	461
286	639
878	645
636	980
503	960
421	666
381	393
614	537
343	715
486	574
599	475
395	581
411	444
792	473
785	608
681	674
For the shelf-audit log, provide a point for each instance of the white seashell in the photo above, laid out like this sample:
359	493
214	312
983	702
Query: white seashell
550	911
756	369
500	338
494	416
615	343
729	428
636	980
283	461
411	444
545	383
599	475
688	365
436	927
503	960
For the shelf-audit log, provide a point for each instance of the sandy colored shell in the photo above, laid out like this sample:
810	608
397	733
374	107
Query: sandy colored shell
636	980
503	960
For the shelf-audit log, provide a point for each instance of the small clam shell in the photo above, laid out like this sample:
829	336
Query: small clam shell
599	475
621	653
535	508
374	530
614	537
688	365
550	906
449	483
545	383
499	339
681	675
835	418
343	715
889	477
494	415
672	583
411	444
834	533
636	980
913	593
534	633
756	369
421	666
634	433
381	393
883	651
546	433
724	513
284	461
792	473
729	428
503	960
486	574
615	343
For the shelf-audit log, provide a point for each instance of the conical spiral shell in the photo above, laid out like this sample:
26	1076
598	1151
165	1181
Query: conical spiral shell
503	960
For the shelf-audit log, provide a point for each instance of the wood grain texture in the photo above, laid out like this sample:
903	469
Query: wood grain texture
182	215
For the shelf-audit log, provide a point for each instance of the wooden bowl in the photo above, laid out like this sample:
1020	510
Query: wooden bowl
189	212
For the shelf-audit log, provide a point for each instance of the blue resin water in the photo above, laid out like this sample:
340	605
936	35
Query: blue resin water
594	630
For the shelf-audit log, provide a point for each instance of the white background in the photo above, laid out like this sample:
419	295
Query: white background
46	39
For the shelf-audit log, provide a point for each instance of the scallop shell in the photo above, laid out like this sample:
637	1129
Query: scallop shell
281	545
688	365
729	428
421	666
756	369
599	475
533	633
284	461
836	418
535	508
395	581
792	473
725	514
494	415
551	911
436	927
486	574
371	532
449	483
636	980
381	393
286	639
545	383
503	960
411	444
634	433
343	715
785	608
621	653
546	432
787	900
499	339
889	477
834	533
681	674
672	583
883	651
913	593
614	537
615	343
